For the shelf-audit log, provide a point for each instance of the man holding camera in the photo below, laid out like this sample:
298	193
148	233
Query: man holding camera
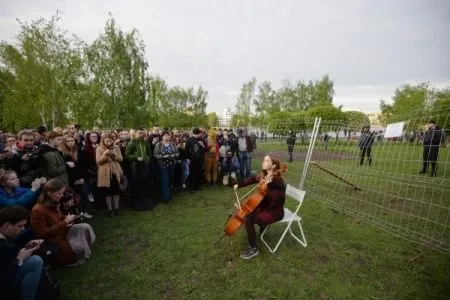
26	161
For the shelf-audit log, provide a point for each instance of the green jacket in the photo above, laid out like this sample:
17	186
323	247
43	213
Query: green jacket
138	148
53	165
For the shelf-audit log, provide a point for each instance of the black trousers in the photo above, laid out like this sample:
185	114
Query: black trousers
140	187
250	221
196	176
366	152
430	156
290	150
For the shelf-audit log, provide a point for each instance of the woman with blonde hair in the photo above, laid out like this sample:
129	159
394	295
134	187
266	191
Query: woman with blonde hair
109	176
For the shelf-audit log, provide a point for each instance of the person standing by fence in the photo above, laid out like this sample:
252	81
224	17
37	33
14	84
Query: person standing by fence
431	141
365	144
291	143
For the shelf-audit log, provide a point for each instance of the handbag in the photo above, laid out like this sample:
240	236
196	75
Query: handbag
49	251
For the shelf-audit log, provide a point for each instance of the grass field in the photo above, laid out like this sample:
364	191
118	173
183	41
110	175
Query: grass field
169	253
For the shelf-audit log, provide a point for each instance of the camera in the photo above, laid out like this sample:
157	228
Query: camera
73	208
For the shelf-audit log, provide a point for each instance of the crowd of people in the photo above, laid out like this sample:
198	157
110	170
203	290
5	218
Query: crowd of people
53	182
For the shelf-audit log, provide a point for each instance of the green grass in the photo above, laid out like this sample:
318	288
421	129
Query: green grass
169	253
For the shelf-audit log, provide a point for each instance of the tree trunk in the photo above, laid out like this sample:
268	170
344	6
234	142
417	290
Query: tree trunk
43	119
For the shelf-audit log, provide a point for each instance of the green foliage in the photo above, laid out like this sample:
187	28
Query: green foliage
356	119
284	122
327	113
407	101
213	120
46	68
440	107
239	120
418	104
117	61
55	78
288	98
244	102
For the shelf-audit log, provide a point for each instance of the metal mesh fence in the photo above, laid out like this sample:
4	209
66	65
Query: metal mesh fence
383	187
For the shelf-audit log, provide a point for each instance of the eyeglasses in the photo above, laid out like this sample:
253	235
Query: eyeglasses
28	140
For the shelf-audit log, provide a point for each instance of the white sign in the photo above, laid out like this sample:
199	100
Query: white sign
394	130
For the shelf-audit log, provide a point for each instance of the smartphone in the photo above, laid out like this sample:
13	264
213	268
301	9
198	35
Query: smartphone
30	246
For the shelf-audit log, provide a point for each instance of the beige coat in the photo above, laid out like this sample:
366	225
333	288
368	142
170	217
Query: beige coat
108	165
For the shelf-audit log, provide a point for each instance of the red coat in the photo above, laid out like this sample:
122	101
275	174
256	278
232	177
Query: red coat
48	223
271	208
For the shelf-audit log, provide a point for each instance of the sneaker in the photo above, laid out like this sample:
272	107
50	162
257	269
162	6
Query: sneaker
91	198
116	212
249	253
423	172
87	215
110	213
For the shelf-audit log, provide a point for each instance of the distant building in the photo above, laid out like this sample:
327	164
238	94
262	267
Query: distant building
375	123
225	118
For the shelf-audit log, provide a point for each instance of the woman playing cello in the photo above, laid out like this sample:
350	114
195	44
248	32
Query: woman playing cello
270	209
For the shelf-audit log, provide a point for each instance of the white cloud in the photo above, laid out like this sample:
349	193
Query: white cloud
368	47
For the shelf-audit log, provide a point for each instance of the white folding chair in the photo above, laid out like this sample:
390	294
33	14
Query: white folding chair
289	217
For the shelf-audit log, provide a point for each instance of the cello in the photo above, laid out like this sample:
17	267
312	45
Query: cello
252	199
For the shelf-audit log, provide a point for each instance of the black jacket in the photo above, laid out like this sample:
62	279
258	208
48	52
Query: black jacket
433	137
27	170
76	172
8	266
366	140
290	141
194	150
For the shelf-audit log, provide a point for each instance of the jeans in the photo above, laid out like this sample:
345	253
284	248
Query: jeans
28	276
245	161
166	180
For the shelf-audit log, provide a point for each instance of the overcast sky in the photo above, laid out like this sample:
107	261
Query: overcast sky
367	47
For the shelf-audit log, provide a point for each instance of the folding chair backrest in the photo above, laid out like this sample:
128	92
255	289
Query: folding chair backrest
295	193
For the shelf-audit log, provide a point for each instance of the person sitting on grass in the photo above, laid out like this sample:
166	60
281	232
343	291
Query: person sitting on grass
271	208
12	194
47	222
70	205
230	167
20	270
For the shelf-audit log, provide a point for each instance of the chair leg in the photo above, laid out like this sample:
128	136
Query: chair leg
279	241
302	241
